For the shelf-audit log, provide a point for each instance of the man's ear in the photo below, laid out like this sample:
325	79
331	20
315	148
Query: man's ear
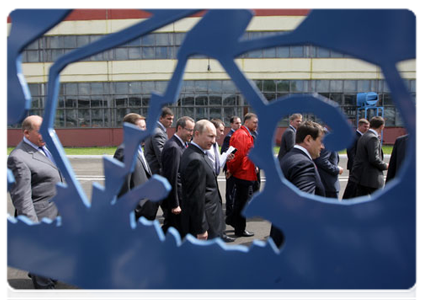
307	139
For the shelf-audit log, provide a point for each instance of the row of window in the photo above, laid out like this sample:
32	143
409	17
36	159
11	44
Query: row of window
104	104
156	46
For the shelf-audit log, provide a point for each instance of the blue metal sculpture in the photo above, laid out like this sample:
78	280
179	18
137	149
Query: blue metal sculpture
366	243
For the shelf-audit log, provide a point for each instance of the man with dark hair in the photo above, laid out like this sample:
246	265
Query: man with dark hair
298	167
363	126
244	172
36	176
235	122
155	143
171	158
202	214
288	137
141	173
367	171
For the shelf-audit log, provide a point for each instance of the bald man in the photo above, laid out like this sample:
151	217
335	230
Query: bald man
36	176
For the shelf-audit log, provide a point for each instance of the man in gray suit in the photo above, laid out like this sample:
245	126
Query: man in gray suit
368	167
154	144
36	176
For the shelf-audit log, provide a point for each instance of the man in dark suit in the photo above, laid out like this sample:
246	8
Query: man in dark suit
36	176
229	194
368	167
171	158
298	167
202	214
141	173
327	165
363	126
397	157
288	137
155	143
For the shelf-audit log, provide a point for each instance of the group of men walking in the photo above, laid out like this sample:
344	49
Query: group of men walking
190	160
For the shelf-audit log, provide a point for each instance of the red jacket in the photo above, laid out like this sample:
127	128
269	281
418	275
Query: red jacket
241	166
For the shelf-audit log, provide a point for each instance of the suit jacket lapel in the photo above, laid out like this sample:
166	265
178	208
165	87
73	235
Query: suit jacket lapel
38	156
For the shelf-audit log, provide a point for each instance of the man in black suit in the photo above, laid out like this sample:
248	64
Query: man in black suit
141	174
36	176
202	214
288	137
363	126
154	144
397	157
229	194
171	158
298	166
327	166
368	167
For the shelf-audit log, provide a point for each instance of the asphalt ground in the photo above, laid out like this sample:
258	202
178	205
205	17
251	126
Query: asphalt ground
89	169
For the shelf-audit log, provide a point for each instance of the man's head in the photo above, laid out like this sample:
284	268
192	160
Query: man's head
363	125
135	119
377	124
31	130
220	127
235	122
295	120
204	134
309	135
185	128
251	121
166	118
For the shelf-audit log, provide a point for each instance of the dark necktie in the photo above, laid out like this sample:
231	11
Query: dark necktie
47	154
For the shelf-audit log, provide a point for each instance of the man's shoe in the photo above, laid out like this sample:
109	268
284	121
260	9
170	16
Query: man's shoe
245	233
227	239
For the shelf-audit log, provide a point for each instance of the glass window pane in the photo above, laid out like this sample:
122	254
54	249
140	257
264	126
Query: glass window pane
390	116
228	86
215	86
70	102
201	113
337	97
148	52
121	53
270	96
33	56
84	118
350	86
335	54
161	86
121	102
282	85
350	100
215	112
282	52
69	41
187	99
97	88
215	100
82	40
161	53
322	53
121	87
179	37
269	53
147	87
363	86
134	53
297	51
162	39
336	85
387	100
230	100
97	117
134	87
71	117
135	101
255	54
84	102
84	88
200	85
145	100
322	85
60	119
297	86
201	100
148	40
269	86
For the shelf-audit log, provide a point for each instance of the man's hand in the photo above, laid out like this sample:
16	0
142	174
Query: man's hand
177	210
341	170
202	236
230	156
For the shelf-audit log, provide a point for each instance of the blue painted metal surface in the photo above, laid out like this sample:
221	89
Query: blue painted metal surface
365	243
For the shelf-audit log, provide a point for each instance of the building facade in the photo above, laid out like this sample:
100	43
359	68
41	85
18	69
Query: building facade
96	93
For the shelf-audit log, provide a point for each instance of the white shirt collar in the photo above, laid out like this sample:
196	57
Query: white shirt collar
359	132
182	142
374	131
304	150
204	151
31	144
295	130
161	126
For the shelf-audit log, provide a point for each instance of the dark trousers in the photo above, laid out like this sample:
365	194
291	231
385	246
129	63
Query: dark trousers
147	210
229	195
243	193
350	190
329	194
364	190
171	220
40	282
